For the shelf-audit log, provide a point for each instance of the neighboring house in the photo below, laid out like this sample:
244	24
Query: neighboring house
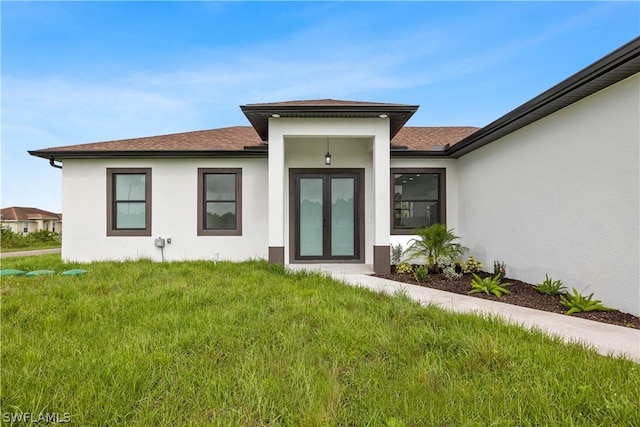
28	220
551	187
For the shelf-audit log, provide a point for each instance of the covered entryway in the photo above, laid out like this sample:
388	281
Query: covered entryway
327	214
357	135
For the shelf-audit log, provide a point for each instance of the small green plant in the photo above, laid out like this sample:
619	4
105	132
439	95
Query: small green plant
421	273
471	265
499	268
488	285
450	273
404	268
448	267
396	254
550	286
577	303
433	242
443	261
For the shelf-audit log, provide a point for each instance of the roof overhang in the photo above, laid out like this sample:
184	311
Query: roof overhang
92	154
259	114
613	68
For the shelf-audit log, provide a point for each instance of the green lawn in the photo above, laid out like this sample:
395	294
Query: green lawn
249	344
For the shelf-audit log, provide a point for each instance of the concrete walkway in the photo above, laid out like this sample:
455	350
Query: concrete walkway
30	253
602	337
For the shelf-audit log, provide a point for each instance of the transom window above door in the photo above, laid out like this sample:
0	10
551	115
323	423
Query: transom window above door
417	199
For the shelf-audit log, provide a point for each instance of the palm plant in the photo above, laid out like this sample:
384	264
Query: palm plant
433	242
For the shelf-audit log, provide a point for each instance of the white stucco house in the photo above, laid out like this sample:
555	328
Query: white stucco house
552	187
23	220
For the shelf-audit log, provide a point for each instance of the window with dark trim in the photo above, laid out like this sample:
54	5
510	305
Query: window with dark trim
219	202
417	199
128	201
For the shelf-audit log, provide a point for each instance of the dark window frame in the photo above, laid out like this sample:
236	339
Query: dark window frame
111	202
202	231
442	193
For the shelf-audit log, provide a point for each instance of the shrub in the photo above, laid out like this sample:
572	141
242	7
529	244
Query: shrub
34	239
404	268
433	242
450	273
421	273
448	267
488	285
396	254
549	286
499	268
42	236
13	240
577	303
471	265
8	237
444	261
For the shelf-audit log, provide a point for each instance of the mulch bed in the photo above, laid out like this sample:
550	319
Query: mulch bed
521	294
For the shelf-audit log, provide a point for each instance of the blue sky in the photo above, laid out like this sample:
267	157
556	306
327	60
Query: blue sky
77	72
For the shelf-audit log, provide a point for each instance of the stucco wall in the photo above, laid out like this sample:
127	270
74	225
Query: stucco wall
561	196
174	212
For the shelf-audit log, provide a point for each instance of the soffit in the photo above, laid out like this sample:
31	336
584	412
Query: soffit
259	114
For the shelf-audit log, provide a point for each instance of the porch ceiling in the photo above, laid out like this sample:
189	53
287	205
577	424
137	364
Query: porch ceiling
259	114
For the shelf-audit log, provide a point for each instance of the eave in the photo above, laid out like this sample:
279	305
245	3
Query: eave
92	154
259	114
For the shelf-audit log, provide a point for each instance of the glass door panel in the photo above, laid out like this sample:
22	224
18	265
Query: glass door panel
342	216
311	216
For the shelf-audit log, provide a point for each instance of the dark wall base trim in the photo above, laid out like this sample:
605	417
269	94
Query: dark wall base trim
381	260
276	255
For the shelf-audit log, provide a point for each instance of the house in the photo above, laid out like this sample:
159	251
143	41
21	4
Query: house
551	187
28	220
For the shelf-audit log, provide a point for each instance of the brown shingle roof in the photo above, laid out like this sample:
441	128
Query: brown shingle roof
17	213
427	138
231	138
324	103
239	138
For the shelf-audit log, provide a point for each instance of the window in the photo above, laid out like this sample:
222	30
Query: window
129	202
417	199
219	202
25	227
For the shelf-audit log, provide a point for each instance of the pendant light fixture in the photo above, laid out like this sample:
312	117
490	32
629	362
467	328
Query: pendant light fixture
327	157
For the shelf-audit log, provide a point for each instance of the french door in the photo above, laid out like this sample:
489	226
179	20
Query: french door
327	210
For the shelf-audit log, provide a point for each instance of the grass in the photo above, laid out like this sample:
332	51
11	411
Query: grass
32	247
250	344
